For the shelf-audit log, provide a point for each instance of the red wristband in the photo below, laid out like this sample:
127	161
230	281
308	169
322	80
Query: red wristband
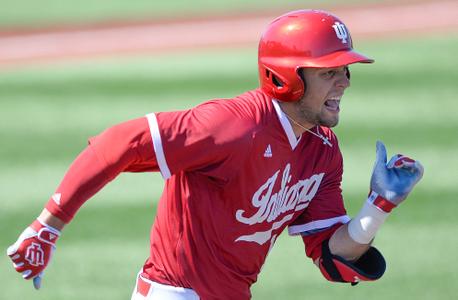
381	202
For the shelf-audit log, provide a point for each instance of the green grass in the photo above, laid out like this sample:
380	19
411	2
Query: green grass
407	99
23	13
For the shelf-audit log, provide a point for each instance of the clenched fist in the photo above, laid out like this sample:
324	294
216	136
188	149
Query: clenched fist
32	251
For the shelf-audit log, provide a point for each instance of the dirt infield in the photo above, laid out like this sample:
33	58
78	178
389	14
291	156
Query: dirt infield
371	21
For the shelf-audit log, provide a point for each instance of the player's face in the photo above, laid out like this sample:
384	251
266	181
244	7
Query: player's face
321	102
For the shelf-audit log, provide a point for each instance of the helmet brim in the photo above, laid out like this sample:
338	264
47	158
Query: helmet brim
337	59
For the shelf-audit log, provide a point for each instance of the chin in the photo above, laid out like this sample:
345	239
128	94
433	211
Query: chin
329	123
328	119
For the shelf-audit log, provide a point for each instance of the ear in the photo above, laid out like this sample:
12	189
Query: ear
300	73
347	72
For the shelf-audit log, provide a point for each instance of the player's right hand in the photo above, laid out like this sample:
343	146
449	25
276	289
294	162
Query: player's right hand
394	180
32	251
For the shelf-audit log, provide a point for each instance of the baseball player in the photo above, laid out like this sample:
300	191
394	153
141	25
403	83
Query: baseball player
238	172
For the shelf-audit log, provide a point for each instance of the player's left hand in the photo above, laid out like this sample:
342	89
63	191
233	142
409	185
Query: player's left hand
396	179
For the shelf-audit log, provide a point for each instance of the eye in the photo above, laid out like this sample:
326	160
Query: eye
329	74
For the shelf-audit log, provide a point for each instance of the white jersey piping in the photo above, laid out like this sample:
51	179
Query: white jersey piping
316	225
293	141
157	143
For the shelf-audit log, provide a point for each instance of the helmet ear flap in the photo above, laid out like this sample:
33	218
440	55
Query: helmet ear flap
274	79
283	84
276	83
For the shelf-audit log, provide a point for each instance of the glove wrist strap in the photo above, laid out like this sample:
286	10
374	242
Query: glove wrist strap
45	233
380	202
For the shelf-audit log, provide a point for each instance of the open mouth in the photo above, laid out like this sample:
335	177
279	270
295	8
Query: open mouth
333	104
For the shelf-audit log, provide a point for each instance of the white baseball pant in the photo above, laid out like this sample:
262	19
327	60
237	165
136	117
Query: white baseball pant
149	290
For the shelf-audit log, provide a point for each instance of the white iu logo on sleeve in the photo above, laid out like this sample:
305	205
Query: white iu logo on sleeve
341	32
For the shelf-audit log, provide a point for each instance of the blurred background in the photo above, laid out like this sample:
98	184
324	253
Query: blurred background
68	70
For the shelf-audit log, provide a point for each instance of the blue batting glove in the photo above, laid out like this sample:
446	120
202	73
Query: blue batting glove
394	180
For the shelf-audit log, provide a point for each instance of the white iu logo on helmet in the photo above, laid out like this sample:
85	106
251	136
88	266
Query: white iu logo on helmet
341	32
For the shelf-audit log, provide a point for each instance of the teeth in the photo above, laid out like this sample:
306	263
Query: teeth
334	98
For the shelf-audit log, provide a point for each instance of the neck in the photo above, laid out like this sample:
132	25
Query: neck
298	128
303	128
290	110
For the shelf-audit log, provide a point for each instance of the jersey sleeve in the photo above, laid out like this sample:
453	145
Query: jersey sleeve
126	147
209	139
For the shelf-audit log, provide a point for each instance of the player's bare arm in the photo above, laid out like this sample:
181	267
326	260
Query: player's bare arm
343	245
51	220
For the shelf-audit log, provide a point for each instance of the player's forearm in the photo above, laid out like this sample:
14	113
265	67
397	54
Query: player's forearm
343	245
353	239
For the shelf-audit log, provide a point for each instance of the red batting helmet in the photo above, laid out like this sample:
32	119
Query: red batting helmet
303	38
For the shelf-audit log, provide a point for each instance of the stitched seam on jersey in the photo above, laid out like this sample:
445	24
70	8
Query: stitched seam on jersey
320	224
293	141
157	143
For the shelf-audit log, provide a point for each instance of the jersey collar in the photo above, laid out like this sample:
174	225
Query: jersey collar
293	141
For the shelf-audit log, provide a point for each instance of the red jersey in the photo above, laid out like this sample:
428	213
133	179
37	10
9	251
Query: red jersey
235	177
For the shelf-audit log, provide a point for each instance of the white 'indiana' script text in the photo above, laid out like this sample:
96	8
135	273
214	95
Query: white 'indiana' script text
289	198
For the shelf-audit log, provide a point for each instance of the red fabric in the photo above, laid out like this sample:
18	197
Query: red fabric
236	183
402	160
328	202
384	204
143	286
126	147
226	201
313	242
348	274
324	272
